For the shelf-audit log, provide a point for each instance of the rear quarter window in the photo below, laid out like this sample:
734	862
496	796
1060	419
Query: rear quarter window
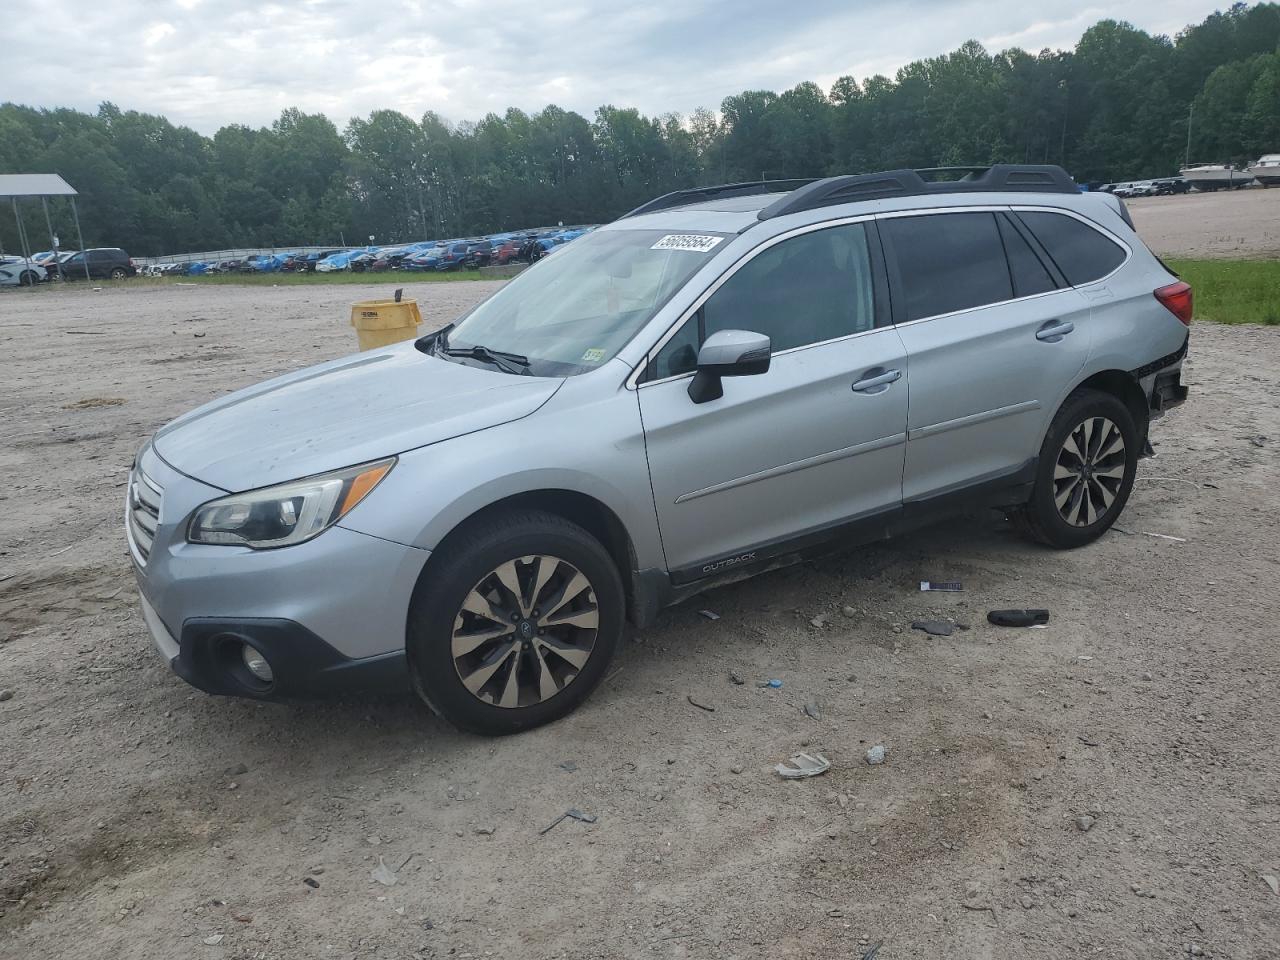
1082	253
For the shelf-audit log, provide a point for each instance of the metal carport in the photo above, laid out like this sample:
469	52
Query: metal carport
19	186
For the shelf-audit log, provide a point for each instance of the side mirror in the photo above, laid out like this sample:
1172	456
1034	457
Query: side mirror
728	353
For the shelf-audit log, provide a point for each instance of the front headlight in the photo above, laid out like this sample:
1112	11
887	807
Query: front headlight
288	513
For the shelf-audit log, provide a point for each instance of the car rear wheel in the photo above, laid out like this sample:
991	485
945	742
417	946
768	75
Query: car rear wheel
119	273
514	623
1085	472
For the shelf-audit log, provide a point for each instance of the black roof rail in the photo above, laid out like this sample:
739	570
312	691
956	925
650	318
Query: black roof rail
997	178
680	198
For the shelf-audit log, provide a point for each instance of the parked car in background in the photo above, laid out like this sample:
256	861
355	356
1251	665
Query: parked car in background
104	263
505	252
478	254
21	273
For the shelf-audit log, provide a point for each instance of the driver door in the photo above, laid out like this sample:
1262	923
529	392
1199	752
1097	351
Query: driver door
793	455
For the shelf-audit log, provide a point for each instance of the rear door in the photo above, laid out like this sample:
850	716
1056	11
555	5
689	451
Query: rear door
800	451
994	337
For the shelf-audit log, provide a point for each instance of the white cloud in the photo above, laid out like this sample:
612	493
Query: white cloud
240	61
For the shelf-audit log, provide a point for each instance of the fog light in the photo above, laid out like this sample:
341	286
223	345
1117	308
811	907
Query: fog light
256	663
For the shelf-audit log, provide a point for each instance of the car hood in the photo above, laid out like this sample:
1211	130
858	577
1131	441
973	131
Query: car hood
342	413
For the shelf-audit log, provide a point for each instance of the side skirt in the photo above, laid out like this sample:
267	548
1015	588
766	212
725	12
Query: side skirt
654	590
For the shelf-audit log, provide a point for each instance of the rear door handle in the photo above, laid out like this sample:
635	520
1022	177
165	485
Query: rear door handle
878	382
1054	330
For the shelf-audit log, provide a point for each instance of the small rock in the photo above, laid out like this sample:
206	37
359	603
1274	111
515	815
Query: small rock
1147	677
736	680
813	711
1134	888
374	840
1195	950
842	799
311	882
568	766
1085	823
233	785
875	755
1272	882
214	940
849	612
238	770
484	831
6	695
897	628
1027	903
987	715
736	768
819	621
1072	912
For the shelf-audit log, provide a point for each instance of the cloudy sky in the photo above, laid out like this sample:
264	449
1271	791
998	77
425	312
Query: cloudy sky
206	63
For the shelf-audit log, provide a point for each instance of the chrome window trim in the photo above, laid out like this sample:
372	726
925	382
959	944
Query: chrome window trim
631	382
1029	208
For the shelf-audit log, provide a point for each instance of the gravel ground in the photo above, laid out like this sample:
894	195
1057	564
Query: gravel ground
142	819
1239	223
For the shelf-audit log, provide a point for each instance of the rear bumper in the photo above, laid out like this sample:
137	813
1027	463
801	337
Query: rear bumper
1161	380
1168	391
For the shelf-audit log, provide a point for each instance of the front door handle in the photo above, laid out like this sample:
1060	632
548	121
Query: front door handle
878	381
1054	331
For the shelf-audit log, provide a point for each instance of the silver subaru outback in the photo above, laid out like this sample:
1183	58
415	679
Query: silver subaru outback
720	382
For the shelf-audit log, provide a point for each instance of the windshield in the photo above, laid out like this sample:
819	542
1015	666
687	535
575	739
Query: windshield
575	310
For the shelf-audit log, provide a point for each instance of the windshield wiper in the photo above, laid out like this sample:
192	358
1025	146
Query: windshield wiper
510	362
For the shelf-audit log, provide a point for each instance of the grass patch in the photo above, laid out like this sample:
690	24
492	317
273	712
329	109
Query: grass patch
398	278
1233	291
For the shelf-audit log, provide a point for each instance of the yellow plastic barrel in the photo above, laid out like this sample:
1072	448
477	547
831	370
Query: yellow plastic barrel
380	323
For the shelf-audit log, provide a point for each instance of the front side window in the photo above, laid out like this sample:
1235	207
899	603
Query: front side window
574	311
948	262
808	289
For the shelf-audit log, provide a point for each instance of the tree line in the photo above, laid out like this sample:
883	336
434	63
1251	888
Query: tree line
1118	106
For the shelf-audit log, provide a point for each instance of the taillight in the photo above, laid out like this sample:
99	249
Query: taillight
1177	298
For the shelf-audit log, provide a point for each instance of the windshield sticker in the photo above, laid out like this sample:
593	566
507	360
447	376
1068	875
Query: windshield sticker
594	355
692	242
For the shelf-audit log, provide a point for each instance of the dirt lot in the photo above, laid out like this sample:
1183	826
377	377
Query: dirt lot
141	819
1241	223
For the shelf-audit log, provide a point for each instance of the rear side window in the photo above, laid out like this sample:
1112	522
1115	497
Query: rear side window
948	262
1081	252
1030	276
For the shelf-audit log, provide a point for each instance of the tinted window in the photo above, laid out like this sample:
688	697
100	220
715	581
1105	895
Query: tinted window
948	262
808	289
1029	274
1081	252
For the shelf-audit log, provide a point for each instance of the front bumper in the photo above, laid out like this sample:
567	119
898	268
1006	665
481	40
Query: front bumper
328	615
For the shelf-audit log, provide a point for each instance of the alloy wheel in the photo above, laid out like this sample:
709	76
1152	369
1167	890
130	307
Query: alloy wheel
525	631
1089	471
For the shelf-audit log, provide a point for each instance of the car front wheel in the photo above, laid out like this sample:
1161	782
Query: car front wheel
1085	472
119	273
514	623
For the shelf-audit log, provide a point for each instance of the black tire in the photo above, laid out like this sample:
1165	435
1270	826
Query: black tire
119	273
27	278
466	559
1040	518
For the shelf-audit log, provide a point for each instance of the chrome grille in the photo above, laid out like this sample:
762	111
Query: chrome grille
143	513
